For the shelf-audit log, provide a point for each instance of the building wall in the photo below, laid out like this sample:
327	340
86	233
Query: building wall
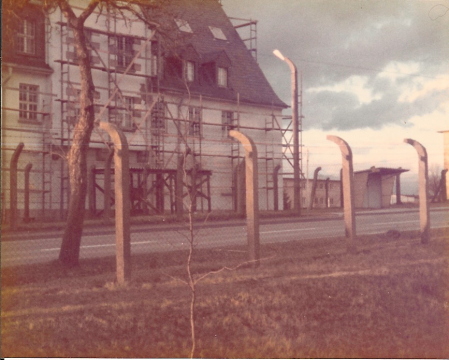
360	188
50	137
320	201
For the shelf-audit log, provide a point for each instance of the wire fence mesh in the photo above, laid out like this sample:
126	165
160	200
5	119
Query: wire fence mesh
218	223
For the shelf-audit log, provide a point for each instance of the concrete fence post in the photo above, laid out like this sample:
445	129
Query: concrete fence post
314	184
107	185
423	177
348	190
122	201
179	188
13	186
276	187
326	193
252	195
91	191
26	211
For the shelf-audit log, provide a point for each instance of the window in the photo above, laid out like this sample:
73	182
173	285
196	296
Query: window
183	25
189	71
222	77
154	59
142	157
26	37
28	102
125	52
217	33
126	114
227	119
158	116
194	121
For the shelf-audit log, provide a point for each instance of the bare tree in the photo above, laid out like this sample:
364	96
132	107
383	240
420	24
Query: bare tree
434	179
77	155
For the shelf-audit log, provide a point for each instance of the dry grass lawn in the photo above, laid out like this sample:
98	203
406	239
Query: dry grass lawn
307	299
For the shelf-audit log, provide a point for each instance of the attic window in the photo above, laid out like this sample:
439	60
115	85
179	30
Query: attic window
26	37
218	33
183	25
189	71
222	77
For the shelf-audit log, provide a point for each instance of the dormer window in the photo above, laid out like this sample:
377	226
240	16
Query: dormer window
26	37
189	71
183	25
217	33
222	77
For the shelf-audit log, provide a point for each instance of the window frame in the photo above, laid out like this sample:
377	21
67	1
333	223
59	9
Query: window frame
195	116
189	71
217	33
22	37
127	113
222	77
125	50
183	25
157	117
227	121
28	102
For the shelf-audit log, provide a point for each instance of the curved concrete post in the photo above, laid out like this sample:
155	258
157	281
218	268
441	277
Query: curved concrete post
424	214
348	190
13	186
443	190
107	185
252	195
240	188
26	211
314	184
91	194
326	196
122	201
276	187
179	207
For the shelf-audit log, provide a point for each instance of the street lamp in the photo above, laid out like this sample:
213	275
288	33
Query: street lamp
295	125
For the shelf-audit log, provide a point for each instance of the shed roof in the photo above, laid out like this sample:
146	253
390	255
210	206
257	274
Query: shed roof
382	171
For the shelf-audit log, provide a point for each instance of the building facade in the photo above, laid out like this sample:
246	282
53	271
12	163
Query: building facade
175	89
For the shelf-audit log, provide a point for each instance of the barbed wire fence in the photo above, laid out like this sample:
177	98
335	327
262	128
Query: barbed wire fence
39	201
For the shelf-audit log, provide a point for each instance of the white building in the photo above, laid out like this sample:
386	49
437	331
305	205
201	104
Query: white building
180	87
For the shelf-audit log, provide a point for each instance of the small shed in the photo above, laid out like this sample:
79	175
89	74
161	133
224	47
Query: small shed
374	187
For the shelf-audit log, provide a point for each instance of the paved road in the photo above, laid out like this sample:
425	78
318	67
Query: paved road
42	247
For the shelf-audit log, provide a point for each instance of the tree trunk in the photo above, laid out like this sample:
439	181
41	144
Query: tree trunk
77	157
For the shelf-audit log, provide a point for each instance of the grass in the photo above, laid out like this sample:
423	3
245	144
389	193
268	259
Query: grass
308	299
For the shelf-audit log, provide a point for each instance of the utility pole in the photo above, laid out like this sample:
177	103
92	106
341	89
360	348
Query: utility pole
296	129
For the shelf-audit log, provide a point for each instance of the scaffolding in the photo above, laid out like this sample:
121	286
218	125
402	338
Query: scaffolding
146	114
247	29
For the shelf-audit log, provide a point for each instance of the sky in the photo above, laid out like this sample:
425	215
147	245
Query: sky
374	72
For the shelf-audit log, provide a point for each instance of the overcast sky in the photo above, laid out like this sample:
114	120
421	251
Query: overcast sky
374	72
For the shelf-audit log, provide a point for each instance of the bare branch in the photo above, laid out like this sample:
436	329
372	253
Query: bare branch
88	10
225	268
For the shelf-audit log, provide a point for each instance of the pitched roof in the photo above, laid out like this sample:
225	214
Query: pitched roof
245	78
